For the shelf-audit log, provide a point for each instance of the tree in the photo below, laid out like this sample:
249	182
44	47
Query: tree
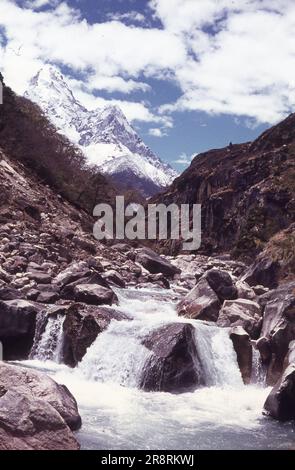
1	78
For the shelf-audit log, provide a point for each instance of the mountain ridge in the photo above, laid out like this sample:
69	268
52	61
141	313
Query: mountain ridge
247	193
104	135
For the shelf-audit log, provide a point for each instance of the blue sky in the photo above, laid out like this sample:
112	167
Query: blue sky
189	74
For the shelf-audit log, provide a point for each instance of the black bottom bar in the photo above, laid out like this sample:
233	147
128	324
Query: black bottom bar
146	459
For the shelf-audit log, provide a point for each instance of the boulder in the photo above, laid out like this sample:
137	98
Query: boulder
17	327
245	291
264	271
41	386
85	245
155	264
47	297
39	277
72	273
123	247
113	277
32	294
280	404
27	423
93	294
222	284
241	312
243	348
159	280
68	291
260	290
278	327
36	413
200	303
9	293
81	327
5	276
172	366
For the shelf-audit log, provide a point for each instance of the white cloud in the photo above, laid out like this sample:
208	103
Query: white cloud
184	159
226	56
245	66
36	4
132	16
157	132
111	84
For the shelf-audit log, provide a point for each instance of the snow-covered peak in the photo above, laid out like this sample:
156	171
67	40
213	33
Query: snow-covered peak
104	134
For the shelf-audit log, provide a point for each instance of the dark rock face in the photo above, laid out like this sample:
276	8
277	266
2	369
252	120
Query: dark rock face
200	303
263	272
246	193
113	277
172	365
278	328
280	403
35	412
243	347
8	293
222	284
155	264
81	327
241	312
17	327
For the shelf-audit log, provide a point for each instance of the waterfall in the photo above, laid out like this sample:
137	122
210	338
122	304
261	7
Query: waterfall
117	413
217	355
258	370
119	356
48	347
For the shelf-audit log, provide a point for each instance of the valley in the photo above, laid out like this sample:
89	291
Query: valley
120	345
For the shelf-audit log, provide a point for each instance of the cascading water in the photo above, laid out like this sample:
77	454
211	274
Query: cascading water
117	355
223	414
258	370
217	355
49	346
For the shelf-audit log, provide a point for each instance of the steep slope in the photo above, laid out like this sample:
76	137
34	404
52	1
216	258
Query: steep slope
105	136
247	192
27	136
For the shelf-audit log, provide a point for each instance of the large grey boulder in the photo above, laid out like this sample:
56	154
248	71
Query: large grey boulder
155	264
278	328
264	271
280	404
93	294
29	423
241	312
200	303
41	386
36	413
172	366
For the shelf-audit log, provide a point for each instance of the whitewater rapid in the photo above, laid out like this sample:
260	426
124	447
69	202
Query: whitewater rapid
116	414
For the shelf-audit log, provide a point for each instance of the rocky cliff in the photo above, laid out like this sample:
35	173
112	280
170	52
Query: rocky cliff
247	193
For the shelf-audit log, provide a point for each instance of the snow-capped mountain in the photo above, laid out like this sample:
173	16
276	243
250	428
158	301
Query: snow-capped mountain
104	135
